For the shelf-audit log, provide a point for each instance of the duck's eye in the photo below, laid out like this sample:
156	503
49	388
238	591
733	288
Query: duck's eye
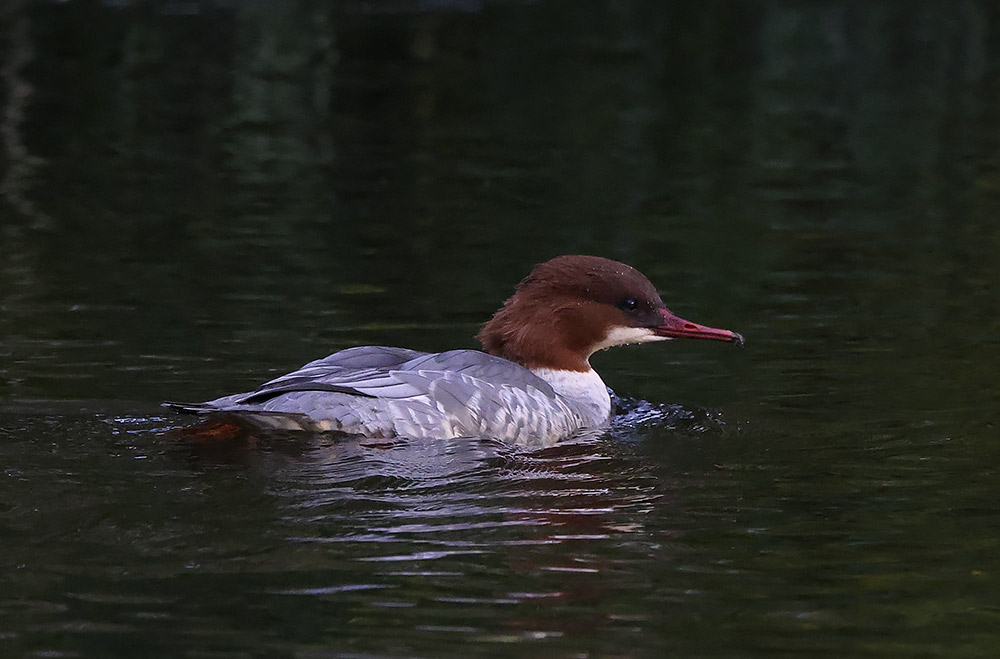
629	304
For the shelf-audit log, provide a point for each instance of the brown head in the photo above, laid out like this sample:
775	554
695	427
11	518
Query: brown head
568	308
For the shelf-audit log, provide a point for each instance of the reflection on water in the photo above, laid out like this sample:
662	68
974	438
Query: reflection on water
196	195
639	534
414	528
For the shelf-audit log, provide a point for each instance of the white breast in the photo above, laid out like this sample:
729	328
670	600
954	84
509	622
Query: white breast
584	392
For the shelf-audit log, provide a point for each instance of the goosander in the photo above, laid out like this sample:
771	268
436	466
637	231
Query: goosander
532	382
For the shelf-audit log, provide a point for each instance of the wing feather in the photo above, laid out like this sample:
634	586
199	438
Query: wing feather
410	392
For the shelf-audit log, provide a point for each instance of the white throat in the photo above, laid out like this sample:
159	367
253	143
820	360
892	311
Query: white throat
620	336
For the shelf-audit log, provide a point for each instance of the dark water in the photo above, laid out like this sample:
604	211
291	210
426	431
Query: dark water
197	196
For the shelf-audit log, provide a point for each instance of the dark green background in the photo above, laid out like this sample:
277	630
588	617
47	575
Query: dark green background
196	196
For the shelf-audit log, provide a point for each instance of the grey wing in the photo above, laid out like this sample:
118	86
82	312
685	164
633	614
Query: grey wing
449	403
454	393
481	366
366	366
381	372
363	359
334	373
367	357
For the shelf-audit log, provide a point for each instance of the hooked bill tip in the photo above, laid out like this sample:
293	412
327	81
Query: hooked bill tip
739	340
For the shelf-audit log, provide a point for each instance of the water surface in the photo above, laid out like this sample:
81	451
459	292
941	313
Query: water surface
196	198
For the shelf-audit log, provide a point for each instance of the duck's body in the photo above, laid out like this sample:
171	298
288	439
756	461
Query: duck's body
534	381
377	391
